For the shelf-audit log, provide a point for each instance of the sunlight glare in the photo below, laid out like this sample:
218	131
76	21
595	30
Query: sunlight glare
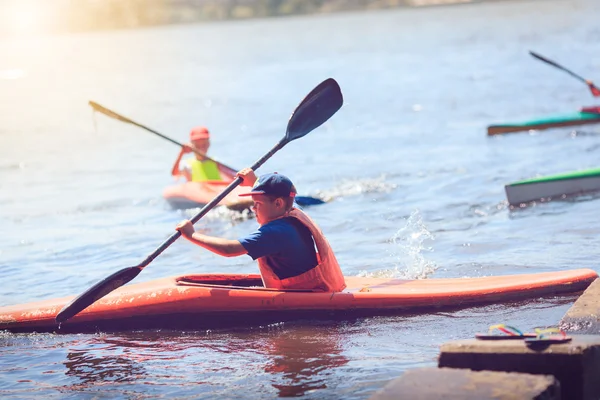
23	17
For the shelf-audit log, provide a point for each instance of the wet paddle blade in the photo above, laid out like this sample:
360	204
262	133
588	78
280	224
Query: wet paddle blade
97	107
96	292
316	108
304	201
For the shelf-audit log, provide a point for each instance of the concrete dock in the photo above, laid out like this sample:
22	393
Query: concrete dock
515	368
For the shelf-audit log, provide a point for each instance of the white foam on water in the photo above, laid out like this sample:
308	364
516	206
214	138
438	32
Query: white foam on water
409	244
355	187
221	213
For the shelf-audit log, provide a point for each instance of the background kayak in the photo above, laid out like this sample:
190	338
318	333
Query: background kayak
587	115
197	194
551	187
575	119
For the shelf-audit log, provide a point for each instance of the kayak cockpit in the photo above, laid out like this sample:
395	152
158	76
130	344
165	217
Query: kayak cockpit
231	282
238	281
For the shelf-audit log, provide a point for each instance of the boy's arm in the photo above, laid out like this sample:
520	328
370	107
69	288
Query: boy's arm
221	246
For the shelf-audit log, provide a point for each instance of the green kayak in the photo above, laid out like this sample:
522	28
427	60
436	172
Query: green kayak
553	186
574	119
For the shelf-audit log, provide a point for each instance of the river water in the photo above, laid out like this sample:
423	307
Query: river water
416	186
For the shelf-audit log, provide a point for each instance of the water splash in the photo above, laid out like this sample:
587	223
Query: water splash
409	243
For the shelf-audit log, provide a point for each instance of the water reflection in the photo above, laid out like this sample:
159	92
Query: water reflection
302	359
93	368
294	361
104	358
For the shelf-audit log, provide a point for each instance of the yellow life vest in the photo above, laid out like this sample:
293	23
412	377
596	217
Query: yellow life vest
202	171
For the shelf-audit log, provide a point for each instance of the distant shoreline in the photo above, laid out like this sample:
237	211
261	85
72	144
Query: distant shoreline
63	16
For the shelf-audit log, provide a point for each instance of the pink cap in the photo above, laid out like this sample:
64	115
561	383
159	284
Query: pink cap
199	132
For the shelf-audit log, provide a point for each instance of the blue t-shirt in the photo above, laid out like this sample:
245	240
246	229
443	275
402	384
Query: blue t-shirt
286	244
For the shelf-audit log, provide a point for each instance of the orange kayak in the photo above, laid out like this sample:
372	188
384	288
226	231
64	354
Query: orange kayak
197	194
219	300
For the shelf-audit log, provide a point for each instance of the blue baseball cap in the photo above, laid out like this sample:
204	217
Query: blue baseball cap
273	185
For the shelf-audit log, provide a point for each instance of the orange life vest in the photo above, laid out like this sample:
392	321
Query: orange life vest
325	277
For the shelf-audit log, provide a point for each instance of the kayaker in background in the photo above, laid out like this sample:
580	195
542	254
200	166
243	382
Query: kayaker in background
284	244
197	169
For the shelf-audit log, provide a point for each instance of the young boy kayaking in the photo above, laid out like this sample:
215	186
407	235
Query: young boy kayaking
199	169
284	244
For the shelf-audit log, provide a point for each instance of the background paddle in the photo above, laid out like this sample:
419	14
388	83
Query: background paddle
300	200
595	91
316	108
112	114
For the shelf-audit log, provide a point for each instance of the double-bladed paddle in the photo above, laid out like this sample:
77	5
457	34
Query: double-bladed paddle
112	114
300	200
595	91
316	108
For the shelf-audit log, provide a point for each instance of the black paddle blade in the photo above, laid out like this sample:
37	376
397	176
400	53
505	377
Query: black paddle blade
96	292
544	59
316	108
304	201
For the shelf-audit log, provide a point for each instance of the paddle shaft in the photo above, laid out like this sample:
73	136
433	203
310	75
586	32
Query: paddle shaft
210	205
112	114
593	88
301	200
